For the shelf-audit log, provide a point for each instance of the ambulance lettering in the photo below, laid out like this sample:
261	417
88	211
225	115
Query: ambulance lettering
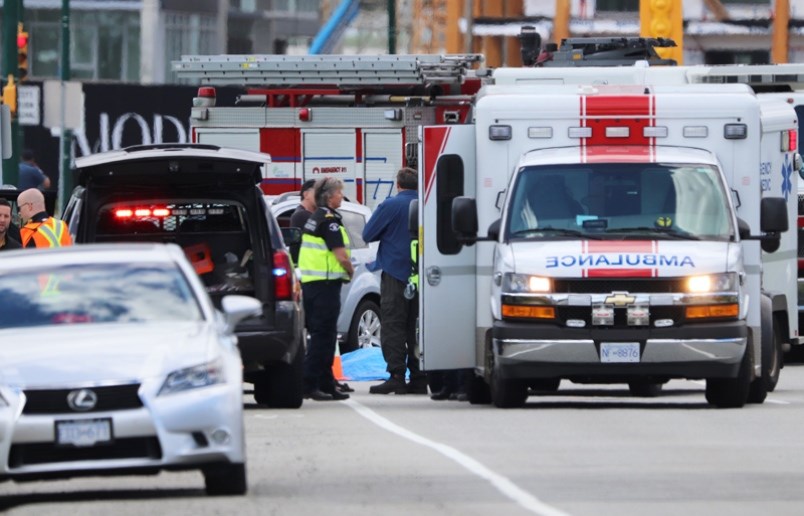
619	259
765	176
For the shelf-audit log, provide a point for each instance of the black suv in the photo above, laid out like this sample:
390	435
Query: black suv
207	200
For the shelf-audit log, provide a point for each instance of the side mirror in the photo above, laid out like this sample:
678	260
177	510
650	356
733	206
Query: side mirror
464	219
798	164
494	230
413	219
773	215
291	236
236	308
743	229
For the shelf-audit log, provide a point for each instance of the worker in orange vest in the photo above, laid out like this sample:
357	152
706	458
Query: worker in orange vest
40	229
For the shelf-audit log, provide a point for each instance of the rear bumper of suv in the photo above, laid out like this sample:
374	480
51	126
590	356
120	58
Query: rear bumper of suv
260	345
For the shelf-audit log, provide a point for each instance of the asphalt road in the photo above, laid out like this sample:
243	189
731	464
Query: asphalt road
587	450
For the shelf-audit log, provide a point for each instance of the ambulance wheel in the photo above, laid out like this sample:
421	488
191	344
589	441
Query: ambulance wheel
645	389
732	392
771	356
479	391
364	331
777	355
508	393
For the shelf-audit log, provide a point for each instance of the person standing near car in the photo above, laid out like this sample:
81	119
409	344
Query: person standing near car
389	226
31	176
6	242
302	213
325	265
40	229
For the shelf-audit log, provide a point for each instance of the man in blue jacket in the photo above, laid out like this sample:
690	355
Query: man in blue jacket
388	225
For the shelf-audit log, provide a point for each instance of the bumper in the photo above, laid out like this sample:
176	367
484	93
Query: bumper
260	345
187	430
693	351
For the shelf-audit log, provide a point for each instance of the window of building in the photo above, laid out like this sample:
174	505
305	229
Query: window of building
617	5
188	33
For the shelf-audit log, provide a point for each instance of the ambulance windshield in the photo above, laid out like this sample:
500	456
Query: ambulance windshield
620	200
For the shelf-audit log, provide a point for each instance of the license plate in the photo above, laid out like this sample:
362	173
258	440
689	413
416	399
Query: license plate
612	352
85	432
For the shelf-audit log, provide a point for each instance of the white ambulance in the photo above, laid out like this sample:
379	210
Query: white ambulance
636	233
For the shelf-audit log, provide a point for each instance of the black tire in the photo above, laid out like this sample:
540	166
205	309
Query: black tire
777	358
645	389
732	392
545	384
479	391
262	388
284	384
771	356
225	479
507	393
364	331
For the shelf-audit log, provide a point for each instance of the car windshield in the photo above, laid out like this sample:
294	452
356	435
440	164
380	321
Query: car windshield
620	201
96	293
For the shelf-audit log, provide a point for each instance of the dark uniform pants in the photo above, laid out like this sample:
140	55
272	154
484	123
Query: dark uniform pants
398	337
322	304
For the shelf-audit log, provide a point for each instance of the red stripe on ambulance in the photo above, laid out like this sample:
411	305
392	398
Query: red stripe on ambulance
629	112
435	138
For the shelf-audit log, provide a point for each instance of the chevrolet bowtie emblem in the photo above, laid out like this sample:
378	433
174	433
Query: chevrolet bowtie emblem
620	299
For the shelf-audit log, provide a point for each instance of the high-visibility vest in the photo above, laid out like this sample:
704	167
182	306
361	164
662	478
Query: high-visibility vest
414	260
52	232
317	262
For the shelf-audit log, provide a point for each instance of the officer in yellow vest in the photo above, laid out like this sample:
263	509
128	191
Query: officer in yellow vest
325	265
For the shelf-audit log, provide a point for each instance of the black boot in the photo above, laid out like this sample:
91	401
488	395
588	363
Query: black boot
395	384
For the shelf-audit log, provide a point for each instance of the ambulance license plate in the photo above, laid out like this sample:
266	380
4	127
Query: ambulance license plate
617	352
84	432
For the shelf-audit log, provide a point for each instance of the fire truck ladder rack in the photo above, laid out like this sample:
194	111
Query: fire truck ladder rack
340	71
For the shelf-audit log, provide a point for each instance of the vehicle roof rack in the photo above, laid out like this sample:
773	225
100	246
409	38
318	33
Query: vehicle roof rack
343	71
761	78
603	51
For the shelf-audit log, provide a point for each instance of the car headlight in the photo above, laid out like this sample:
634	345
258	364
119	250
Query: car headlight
525	283
194	377
725	282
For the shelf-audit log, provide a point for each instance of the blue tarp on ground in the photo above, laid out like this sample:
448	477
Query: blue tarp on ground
364	364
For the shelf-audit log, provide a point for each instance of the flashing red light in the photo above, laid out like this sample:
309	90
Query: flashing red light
161	212
123	214
22	39
207	92
142	212
793	142
305	114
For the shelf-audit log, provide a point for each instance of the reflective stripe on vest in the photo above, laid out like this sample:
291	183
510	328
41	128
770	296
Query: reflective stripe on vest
52	235
317	262
414	258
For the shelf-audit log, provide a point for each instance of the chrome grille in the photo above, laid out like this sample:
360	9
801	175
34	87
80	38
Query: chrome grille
54	401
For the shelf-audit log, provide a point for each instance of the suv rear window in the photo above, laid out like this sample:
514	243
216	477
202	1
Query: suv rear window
213	233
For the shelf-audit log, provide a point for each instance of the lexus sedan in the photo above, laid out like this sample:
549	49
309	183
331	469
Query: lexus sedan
113	360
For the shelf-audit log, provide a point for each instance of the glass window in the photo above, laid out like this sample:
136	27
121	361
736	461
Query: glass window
354	223
449	172
644	200
96	293
188	33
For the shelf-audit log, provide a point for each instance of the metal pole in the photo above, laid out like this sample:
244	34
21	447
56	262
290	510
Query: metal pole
391	26
66	141
11	172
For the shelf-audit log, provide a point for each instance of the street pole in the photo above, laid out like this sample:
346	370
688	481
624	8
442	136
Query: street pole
11	172
392	27
66	142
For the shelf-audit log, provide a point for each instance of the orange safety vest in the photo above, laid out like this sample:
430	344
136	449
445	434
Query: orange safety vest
50	233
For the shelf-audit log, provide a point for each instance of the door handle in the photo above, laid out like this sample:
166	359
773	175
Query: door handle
433	275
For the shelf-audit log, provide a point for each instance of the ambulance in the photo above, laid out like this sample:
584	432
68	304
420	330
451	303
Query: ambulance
610	233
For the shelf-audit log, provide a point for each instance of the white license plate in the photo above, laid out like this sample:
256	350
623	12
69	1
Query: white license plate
612	352
88	432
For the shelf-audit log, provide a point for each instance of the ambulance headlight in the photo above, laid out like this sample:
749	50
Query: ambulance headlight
712	283
525	283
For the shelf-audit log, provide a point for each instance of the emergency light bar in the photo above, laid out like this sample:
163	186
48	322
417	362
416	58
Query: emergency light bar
789	141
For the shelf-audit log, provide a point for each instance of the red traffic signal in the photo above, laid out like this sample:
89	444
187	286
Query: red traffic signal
22	40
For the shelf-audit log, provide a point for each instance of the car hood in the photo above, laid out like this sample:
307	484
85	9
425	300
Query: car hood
94	353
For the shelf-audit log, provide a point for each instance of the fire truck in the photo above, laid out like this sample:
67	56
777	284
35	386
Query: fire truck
351	117
610	225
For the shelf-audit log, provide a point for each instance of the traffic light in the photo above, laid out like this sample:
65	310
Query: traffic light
10	95
663	19
22	53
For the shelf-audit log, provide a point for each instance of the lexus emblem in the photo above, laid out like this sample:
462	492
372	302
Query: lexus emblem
82	400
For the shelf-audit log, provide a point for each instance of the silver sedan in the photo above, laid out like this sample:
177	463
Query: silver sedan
114	360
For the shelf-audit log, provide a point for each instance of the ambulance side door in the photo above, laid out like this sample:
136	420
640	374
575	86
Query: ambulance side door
447	282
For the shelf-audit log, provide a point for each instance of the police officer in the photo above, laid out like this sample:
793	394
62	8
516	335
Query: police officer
40	229
325	265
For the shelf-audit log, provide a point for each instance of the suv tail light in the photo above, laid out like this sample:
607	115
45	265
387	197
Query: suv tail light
283	276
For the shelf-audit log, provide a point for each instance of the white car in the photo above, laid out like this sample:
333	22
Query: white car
359	320
113	359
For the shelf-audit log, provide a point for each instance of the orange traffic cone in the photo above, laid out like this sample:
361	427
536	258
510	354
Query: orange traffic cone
337	368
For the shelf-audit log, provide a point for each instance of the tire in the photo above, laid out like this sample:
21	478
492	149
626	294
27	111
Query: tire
479	392
771	357
545	384
645	389
507	393
732	392
283	384
225	479
777	358
364	331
